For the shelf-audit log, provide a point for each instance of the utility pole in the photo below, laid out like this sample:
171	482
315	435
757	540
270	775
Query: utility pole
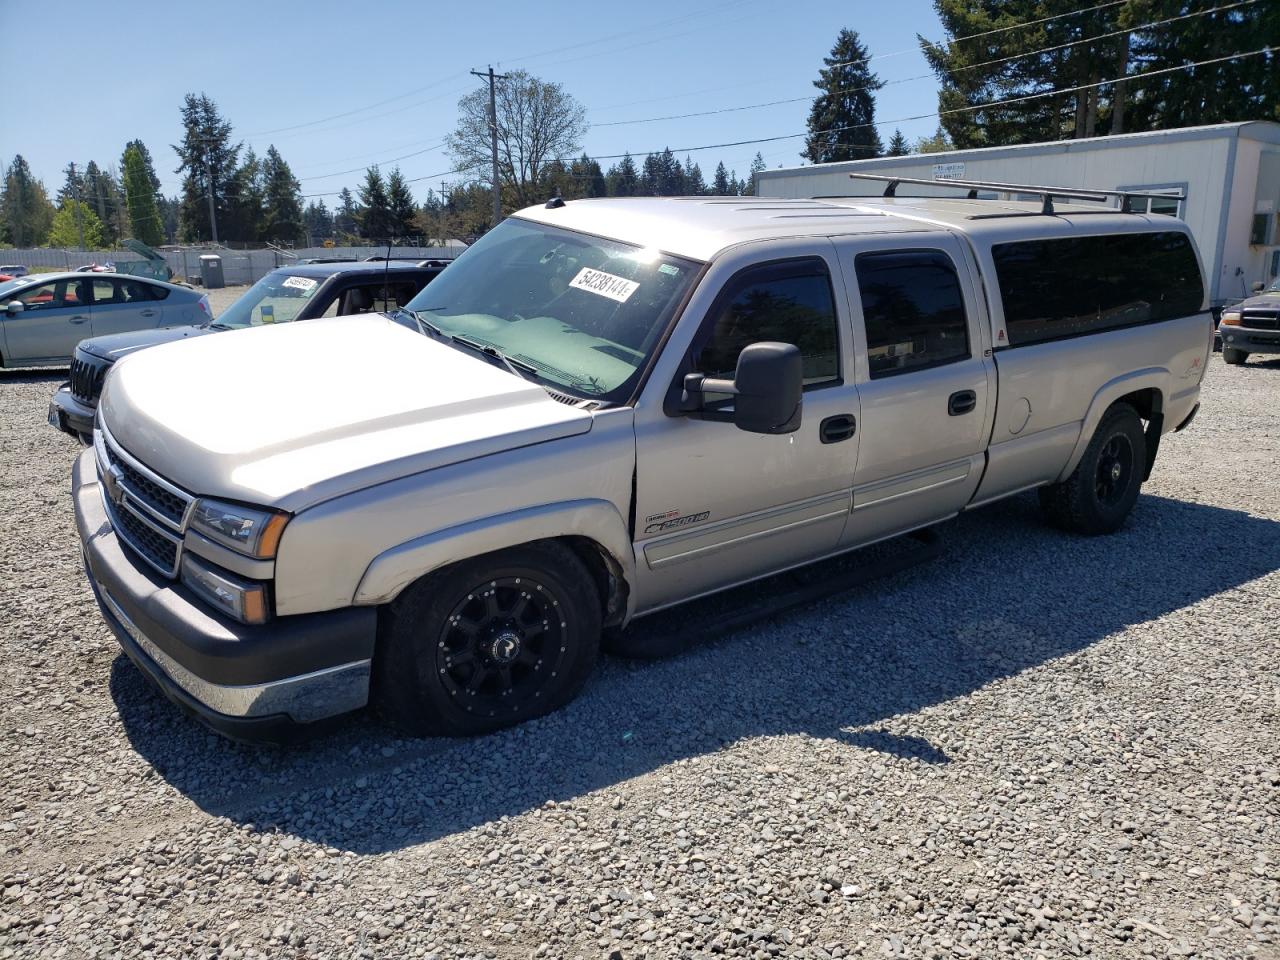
493	138
75	200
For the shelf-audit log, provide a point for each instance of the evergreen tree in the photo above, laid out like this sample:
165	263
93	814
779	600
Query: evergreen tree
694	185
73	184
589	178
938	143
103	194
623	180
346	216
400	204
720	185
65	231
171	214
374	217
25	211
898	146
749	188
282	196
207	160
429	222
318	221
147	164
246	201
145	222
842	118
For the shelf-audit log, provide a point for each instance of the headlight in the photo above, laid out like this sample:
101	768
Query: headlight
243	529
1231	319
243	599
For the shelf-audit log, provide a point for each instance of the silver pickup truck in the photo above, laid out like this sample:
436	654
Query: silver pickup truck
602	409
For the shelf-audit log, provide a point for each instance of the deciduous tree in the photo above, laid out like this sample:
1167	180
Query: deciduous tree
65	232
537	121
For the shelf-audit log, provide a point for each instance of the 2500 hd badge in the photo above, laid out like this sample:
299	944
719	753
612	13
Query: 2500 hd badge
661	525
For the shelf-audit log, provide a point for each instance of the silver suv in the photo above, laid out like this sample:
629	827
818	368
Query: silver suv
605	408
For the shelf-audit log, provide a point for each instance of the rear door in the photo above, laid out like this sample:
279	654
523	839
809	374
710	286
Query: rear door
54	318
925	381
121	305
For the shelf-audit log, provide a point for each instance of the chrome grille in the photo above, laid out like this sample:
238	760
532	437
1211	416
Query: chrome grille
87	374
148	513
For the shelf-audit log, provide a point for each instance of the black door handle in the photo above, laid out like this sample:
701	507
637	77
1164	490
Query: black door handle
837	428
960	402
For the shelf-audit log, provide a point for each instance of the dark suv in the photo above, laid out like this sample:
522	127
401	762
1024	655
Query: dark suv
301	292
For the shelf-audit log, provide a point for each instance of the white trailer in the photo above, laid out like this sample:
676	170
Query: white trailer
1229	175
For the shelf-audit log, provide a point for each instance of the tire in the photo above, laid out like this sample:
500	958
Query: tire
476	647
1234	356
1102	489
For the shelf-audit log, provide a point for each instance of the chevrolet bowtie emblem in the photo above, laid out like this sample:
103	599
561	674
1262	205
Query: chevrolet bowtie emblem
115	492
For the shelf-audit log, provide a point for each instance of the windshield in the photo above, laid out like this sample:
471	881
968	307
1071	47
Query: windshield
9	286
276	298
583	312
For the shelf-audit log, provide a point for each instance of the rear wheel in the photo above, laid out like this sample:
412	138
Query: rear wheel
1234	356
488	643
1102	489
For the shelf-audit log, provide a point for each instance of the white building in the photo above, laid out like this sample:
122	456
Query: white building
1229	173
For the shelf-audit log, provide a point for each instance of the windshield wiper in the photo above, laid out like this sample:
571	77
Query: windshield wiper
518	367
424	326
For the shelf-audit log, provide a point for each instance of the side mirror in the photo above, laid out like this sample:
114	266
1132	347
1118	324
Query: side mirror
15	307
767	387
1258	287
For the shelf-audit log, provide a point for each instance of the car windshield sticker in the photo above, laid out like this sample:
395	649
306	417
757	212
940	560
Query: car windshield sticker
604	284
301	283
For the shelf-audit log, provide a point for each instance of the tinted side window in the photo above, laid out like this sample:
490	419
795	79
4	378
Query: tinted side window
789	303
1075	285
913	309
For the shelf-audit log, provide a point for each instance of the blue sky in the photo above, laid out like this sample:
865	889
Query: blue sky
284	72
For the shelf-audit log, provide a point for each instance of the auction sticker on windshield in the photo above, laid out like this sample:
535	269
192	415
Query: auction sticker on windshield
604	284
301	283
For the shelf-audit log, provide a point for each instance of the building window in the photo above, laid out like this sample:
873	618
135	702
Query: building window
1258	233
1167	206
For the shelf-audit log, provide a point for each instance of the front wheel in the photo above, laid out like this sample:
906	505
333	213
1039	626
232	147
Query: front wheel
1234	356
1102	489
488	643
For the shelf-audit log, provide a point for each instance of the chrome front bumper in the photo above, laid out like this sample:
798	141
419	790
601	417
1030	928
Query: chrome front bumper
243	681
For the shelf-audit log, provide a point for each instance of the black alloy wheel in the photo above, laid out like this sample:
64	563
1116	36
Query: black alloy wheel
488	642
501	645
1115	469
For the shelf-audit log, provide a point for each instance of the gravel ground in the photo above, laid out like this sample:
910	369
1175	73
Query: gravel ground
1034	746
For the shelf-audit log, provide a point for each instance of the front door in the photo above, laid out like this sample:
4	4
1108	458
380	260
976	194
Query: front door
924	381
716	505
121	305
54	318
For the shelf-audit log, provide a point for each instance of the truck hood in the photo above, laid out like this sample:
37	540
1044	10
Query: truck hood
288	416
116	345
1269	300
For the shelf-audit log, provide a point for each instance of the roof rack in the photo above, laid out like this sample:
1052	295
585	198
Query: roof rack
1046	194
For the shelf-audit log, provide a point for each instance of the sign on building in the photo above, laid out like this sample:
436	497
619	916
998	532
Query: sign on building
948	171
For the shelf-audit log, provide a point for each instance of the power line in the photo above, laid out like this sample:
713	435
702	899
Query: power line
966	109
929	76
987	33
338	173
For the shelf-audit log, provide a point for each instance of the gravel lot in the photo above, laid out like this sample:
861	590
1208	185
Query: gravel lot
1034	746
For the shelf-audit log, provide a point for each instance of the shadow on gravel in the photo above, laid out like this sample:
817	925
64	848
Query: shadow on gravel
34	375
1006	594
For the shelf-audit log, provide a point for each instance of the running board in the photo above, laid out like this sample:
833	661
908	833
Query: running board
673	630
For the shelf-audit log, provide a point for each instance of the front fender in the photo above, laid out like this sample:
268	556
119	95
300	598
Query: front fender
597	520
1156	378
